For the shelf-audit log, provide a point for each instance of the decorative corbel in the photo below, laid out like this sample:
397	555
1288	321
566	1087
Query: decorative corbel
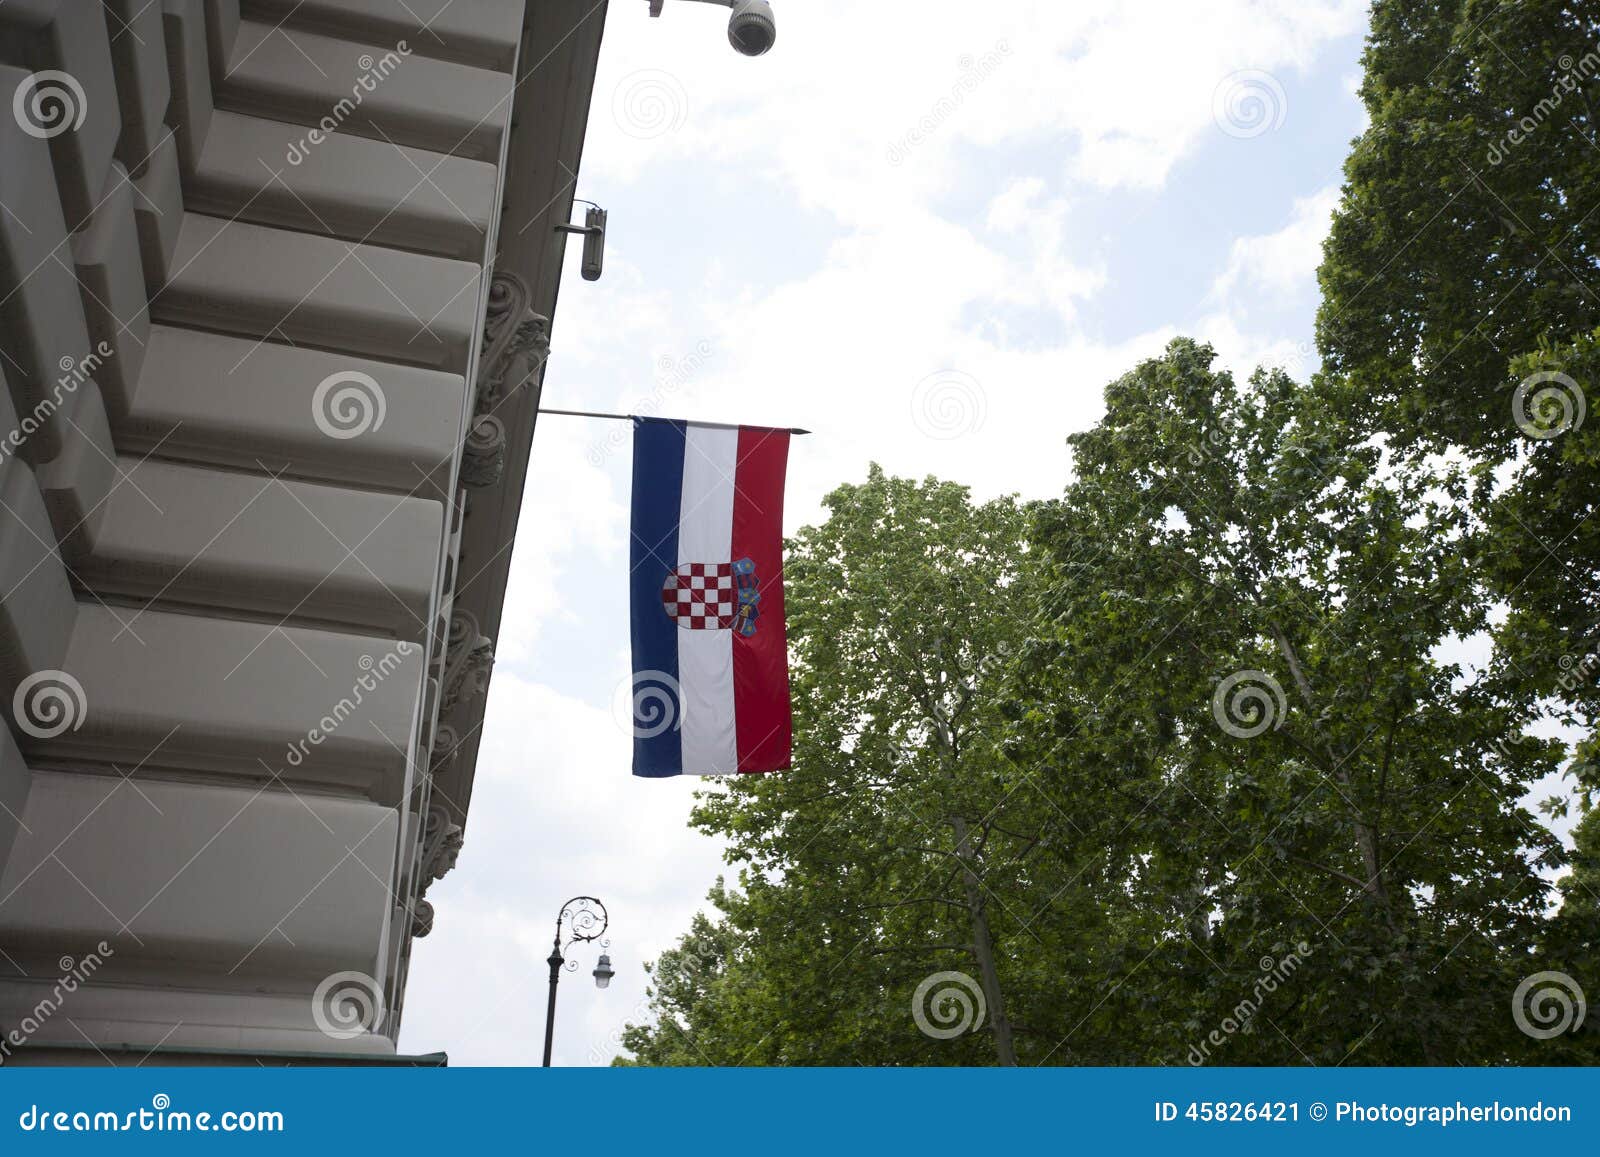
516	341
483	455
443	755
469	657
421	918
441	844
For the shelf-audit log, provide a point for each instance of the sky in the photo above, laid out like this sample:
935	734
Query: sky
930	231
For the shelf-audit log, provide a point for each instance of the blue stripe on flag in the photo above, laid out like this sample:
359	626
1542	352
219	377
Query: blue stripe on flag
658	449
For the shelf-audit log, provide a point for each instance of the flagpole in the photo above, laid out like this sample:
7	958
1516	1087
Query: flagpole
633	417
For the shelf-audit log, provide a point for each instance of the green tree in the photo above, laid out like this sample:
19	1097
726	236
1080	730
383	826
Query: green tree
1460	306
694	996
1207	719
899	845
1465	235
1243	647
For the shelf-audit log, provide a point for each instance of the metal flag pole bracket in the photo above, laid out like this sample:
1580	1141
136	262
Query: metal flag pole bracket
637	417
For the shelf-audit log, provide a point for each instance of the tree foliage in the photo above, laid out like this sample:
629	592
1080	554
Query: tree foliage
1465	235
1190	765
903	607
1250	615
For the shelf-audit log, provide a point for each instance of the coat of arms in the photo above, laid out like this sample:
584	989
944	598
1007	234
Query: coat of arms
713	596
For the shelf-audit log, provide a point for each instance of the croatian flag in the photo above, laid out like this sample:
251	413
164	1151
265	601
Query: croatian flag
710	653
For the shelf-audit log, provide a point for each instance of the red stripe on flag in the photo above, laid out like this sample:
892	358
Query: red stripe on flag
761	661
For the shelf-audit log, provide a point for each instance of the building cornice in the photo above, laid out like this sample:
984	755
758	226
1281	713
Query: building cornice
556	71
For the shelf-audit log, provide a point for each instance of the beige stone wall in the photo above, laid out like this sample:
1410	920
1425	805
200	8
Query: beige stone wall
244	269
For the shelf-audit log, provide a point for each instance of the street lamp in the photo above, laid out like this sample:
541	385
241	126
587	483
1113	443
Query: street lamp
581	918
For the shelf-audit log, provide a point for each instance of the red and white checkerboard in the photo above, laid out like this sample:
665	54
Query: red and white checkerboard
701	596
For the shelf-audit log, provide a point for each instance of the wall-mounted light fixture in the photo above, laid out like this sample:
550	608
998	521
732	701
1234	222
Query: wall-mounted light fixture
594	240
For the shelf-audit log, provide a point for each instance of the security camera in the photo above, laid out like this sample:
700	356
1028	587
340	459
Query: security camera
751	29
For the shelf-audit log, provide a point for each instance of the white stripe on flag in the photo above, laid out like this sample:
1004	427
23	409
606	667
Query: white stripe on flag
705	658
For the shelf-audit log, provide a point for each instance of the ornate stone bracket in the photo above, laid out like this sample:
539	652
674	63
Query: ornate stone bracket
443	756
421	918
516	342
483	456
441	838
469	657
441	844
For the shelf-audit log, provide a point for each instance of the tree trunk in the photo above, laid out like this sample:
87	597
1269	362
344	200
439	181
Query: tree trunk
1377	888
1338	766
983	948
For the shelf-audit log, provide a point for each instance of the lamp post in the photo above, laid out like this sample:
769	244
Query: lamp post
581	918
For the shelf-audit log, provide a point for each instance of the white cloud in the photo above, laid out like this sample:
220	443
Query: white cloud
1285	261
1127	89
570	517
925	314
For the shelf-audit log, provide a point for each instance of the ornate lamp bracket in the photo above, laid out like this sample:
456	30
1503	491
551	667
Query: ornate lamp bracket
582	918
